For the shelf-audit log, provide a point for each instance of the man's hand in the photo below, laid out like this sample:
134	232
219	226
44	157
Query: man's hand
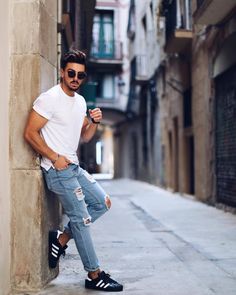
61	163
96	114
89	128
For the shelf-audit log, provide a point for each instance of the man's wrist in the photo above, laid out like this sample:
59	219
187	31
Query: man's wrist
94	122
55	159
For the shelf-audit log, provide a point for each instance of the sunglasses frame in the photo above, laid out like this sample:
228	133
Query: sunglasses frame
80	75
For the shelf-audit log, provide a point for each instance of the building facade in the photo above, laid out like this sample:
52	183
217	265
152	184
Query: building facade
140	152
179	131
176	108
199	99
214	100
108	83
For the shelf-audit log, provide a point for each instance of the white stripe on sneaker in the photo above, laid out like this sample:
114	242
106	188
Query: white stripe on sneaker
54	254
54	246
102	285
106	285
59	233
99	283
54	251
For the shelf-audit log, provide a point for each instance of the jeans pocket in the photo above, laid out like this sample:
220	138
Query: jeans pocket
65	173
53	180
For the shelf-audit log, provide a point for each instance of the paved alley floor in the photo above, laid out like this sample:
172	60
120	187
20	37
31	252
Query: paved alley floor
159	243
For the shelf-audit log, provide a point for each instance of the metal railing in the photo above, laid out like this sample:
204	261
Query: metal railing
102	49
177	17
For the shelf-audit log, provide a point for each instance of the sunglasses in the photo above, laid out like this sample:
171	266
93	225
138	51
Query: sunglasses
80	75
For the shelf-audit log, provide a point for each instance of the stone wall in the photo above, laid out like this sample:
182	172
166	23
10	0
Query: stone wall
206	46
201	94
4	151
177	80
34	211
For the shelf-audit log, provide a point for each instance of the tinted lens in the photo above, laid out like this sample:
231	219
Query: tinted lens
81	75
71	73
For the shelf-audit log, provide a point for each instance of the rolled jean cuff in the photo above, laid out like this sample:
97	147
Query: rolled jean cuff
91	269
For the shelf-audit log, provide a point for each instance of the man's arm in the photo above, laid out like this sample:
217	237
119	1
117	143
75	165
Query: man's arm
90	128
32	136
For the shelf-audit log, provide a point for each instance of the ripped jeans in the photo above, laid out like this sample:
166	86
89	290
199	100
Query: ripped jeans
83	201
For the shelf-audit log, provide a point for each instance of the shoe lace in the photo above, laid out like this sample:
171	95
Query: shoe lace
106	277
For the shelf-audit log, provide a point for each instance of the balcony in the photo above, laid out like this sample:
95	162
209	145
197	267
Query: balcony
106	53
211	12
178	26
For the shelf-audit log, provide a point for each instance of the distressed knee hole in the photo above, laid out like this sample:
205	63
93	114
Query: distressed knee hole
79	193
87	220
108	202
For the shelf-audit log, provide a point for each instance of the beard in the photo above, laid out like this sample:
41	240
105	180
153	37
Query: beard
73	85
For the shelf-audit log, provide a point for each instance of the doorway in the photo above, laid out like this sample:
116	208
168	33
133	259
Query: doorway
225	137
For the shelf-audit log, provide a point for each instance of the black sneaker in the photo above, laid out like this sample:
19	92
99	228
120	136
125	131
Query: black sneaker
54	248
103	283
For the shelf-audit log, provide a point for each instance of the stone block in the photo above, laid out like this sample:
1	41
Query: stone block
25	37
31	74
30	224
48	77
51	7
48	36
24	89
35	29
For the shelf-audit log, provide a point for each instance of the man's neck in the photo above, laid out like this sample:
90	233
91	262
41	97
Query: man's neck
66	90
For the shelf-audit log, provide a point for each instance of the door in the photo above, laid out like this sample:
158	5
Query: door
225	139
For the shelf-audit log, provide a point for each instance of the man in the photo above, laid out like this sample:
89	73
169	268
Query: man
54	127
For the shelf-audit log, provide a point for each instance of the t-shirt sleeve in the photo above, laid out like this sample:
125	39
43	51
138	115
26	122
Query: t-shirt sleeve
84	104
43	105
85	108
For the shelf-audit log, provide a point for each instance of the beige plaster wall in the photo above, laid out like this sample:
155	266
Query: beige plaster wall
5	259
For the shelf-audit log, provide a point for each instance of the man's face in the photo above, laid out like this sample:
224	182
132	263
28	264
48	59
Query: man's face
73	75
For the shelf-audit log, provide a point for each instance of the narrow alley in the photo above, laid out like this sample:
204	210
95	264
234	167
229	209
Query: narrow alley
157	242
144	92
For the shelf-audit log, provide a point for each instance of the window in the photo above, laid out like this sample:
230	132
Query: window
103	35
105	85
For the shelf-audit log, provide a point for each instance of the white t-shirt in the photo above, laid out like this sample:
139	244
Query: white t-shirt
65	116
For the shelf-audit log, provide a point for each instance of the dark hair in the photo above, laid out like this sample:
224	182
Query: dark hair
75	56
